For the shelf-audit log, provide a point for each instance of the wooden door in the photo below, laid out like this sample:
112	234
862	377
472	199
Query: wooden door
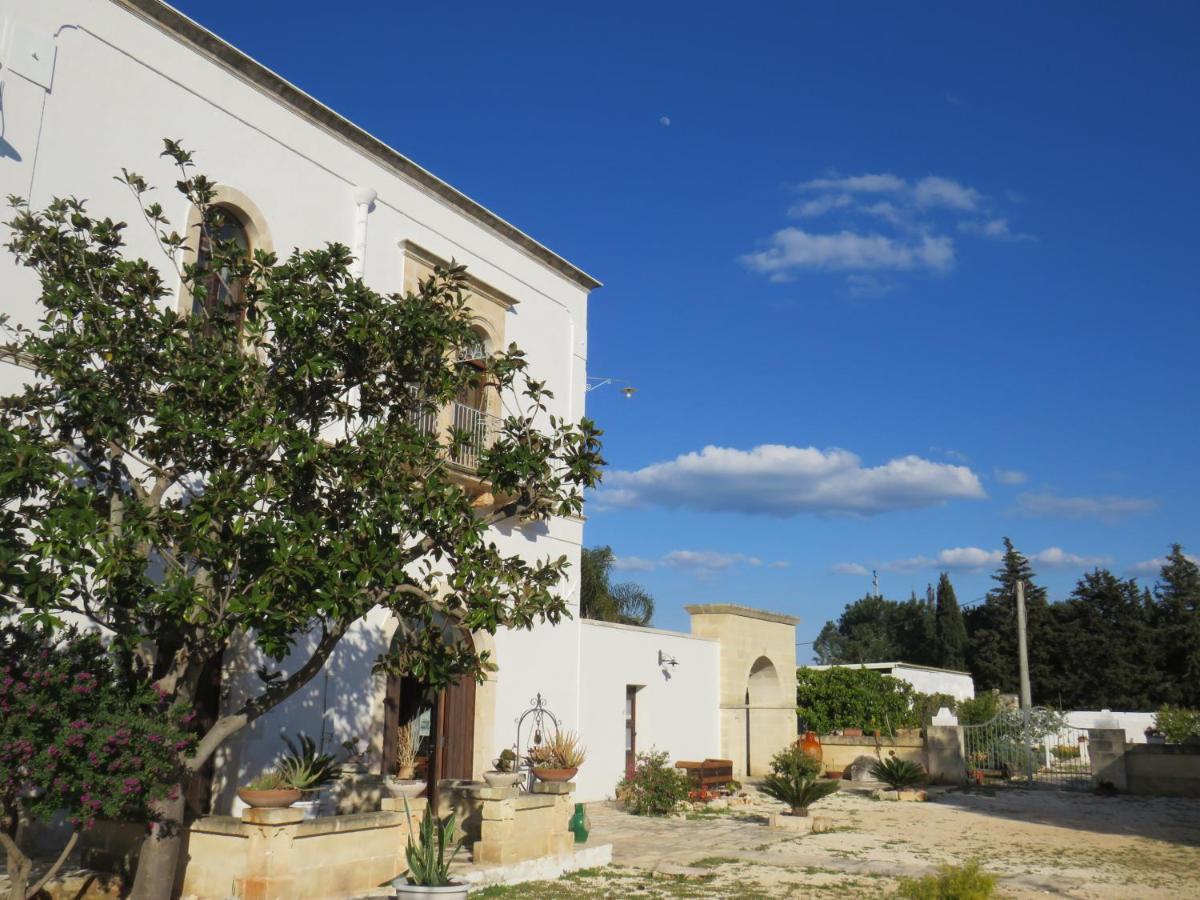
456	731
630	729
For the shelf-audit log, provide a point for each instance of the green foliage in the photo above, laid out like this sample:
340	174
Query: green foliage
926	706
965	882
1176	724
506	761
793	761
898	774
655	788
793	780
854	698
260	468
1176	624
305	768
627	603
427	862
877	630
270	781
950	630
79	735
1065	751
979	709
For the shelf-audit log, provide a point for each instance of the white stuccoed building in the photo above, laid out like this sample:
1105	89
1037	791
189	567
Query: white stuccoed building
91	86
926	679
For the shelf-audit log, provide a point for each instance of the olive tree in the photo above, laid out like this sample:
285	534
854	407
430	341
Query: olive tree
260	467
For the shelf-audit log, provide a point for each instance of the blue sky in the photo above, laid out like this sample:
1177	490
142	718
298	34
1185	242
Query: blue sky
919	276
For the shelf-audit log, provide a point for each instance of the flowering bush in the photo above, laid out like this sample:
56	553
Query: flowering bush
655	788
77	737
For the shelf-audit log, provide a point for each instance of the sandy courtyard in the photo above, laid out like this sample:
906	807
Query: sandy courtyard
1042	843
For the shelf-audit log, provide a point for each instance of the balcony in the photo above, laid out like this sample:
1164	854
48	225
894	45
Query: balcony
481	428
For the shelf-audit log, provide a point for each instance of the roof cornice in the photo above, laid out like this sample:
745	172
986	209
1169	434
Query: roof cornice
204	42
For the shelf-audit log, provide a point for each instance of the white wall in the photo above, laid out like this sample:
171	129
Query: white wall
1134	723
117	87
677	706
958	685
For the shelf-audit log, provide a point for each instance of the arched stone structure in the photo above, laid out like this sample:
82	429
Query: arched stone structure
757	681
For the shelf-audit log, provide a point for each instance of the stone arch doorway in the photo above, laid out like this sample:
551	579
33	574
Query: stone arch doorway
762	692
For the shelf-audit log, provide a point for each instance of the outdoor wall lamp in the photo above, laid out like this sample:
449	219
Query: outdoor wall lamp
595	381
664	660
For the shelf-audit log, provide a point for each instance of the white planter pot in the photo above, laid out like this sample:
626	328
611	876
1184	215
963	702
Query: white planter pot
446	892
501	779
404	788
312	807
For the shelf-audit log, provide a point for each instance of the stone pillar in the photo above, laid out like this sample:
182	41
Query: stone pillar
1106	746
560	840
268	855
944	753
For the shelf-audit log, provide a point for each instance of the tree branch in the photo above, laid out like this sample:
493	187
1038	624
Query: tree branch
53	870
226	726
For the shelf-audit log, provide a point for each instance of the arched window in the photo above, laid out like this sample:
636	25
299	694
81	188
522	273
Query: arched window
221	290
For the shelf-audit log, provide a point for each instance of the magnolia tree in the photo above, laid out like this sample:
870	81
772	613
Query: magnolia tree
77	736
260	468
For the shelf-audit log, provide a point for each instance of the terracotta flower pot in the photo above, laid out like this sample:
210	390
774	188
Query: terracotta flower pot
269	799
852	732
558	775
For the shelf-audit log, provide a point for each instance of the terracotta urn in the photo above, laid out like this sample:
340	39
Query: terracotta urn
555	775
269	799
810	745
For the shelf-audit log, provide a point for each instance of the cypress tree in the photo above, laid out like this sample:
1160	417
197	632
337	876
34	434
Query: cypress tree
1177	616
950	629
992	630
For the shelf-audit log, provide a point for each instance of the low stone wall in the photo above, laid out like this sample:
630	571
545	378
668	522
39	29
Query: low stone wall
273	853
1164	770
514	827
839	751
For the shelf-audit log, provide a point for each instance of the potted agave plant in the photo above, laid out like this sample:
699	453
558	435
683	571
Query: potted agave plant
308	771
403	783
559	758
505	773
269	791
428	868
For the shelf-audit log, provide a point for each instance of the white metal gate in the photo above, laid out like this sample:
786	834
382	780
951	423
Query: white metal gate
1028	747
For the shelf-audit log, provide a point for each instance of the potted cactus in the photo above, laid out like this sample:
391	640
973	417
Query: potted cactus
428	868
559	758
505	773
270	790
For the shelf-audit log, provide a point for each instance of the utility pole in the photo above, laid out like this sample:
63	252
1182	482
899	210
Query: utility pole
1022	648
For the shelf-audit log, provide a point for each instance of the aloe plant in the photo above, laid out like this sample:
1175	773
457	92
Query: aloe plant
305	768
427	863
898	774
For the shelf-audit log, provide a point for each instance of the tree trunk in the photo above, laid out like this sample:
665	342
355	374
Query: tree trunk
159	857
18	865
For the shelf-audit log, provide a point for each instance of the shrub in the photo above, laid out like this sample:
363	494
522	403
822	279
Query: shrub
305	768
979	710
794	761
655	788
898	774
855	698
1177	724
793	780
78	736
1065	751
562	750
965	882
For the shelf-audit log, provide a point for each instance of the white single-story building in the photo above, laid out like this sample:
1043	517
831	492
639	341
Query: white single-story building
926	679
92	86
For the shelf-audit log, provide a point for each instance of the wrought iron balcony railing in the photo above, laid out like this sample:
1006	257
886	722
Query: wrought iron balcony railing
481	428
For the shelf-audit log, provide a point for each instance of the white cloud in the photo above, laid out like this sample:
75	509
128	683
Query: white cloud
997	229
1154	566
780	480
698	562
1010	476
795	248
849	569
818	206
664	121
779	564
1106	509
864	285
974	559
888	223
633	564
933	191
881	183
